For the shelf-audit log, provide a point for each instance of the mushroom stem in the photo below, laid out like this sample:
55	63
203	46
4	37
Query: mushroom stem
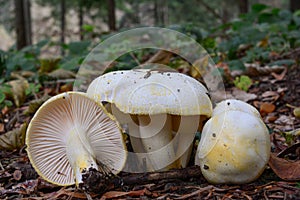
187	129
156	135
79	153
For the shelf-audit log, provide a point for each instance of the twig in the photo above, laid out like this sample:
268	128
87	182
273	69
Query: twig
1	166
198	192
185	173
135	59
95	181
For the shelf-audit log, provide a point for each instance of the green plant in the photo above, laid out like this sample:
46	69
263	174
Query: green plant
243	82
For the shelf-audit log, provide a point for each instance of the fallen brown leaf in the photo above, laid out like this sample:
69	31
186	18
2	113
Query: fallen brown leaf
285	169
1	127
270	95
13	139
266	108
280	76
116	194
242	95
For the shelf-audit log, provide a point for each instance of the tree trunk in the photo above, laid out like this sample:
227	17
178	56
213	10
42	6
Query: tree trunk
160	12
243	6
80	23
23	23
111	15
62	23
294	5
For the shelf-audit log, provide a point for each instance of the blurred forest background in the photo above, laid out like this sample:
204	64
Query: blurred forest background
38	37
26	22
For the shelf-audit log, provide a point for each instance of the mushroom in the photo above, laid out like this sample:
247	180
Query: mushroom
234	104
159	104
234	146
71	133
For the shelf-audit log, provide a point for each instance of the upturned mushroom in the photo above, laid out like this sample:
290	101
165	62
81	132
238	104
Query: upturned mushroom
159	105
234	145
71	133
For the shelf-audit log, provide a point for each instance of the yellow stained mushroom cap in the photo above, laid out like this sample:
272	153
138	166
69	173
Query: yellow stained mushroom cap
234	148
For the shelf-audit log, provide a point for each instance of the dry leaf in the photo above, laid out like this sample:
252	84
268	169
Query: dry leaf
270	96
285	120
200	67
116	194
1	127
35	104
14	139
285	169
66	87
18	91
242	95
280	76
62	74
162	57
266	108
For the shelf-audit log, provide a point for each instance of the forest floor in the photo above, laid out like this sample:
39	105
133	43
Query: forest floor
274	95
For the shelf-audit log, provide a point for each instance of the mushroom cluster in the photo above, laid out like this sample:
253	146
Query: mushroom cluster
71	133
235	144
162	109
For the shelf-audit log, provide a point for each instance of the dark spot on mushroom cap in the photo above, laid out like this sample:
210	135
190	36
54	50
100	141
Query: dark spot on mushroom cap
114	73
178	90
168	74
205	167
225	145
64	97
214	135
228	103
121	72
107	82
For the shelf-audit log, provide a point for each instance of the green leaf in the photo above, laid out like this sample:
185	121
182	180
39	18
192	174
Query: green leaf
72	64
78	48
236	65
257	8
88	28
243	82
2	97
287	62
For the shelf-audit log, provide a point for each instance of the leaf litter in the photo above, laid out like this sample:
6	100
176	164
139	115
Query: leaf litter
270	94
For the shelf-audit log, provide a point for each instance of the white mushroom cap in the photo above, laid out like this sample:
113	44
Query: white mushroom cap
234	148
71	133
148	92
143	91
234	104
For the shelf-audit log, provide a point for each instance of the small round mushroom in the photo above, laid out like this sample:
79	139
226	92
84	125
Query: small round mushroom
234	104
234	148
161	103
71	133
